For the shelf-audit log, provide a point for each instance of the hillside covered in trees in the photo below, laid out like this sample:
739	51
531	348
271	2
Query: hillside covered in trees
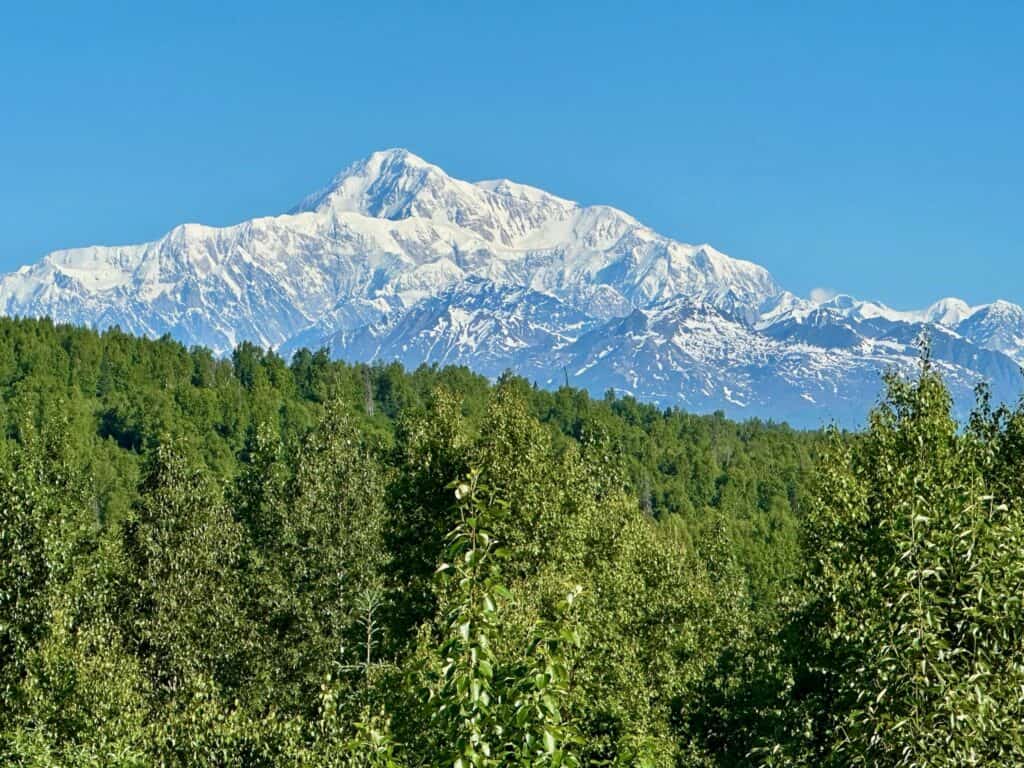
253	561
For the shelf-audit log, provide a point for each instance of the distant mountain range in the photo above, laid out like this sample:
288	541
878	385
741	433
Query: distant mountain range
396	260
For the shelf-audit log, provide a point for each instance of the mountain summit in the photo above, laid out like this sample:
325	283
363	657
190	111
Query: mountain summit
395	259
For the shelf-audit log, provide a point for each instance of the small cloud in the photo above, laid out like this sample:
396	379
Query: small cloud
821	295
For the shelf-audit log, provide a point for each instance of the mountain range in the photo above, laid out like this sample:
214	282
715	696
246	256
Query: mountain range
396	260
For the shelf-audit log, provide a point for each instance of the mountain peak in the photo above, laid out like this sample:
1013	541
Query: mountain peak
376	186
397	154
393	163
948	311
395	184
1003	307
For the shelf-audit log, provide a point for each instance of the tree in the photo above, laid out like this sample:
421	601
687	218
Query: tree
491	711
917	582
45	516
317	528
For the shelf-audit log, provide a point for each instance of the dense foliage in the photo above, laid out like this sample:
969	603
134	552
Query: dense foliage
260	562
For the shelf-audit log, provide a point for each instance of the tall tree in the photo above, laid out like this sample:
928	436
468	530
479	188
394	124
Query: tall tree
917	582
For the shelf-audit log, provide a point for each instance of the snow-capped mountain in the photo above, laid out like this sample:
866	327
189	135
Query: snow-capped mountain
394	259
998	326
696	356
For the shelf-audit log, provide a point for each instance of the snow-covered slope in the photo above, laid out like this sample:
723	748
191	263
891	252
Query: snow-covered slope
394	259
998	326
477	324
824	368
387	232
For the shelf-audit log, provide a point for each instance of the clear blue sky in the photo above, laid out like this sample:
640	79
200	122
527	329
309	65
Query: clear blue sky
850	147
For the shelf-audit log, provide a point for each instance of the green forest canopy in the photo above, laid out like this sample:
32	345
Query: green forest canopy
256	562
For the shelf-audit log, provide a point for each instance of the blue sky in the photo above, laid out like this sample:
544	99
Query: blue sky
843	146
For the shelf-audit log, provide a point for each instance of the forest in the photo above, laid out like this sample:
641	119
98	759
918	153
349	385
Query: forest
254	561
